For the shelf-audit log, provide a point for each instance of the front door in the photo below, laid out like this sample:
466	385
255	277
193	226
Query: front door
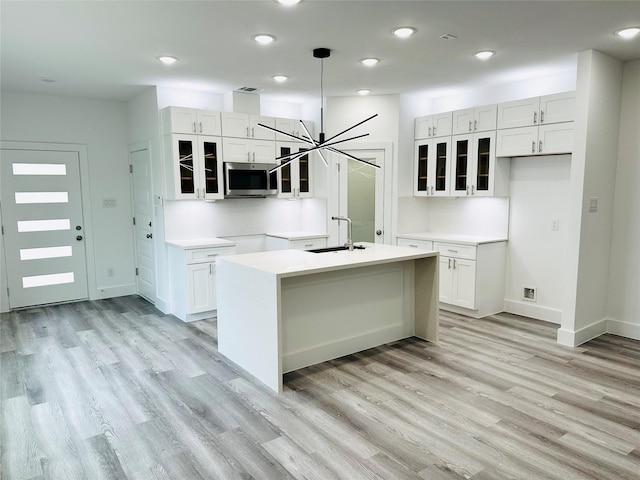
144	228
362	196
43	227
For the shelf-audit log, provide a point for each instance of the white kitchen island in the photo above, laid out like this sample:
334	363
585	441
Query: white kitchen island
283	310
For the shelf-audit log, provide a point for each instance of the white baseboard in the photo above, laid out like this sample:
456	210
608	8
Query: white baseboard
575	338
112	292
623	329
532	310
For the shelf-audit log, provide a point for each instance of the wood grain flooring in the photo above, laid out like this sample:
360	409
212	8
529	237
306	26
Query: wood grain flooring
113	389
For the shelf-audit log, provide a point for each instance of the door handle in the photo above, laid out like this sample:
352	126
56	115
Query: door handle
79	238
78	227
378	232
149	235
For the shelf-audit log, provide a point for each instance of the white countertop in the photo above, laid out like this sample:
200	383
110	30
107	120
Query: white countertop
452	237
193	243
290	263
297	235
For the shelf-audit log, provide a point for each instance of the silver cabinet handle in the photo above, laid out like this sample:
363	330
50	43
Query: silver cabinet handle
472	189
449	263
253	133
452	250
194	127
431	189
412	246
308	245
200	127
429	134
247	132
197	193
467	189
475	125
254	157
535	117
539	145
248	156
454	263
434	131
469	125
210	269
541	116
533	146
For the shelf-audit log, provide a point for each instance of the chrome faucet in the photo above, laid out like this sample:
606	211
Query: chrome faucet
349	243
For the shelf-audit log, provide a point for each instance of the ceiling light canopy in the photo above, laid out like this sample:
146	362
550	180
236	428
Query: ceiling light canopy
167	59
288	3
322	143
628	33
263	38
369	62
364	91
280	78
403	32
484	54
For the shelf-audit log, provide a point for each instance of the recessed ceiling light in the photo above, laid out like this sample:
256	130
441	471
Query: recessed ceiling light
288	3
47	80
403	32
280	78
369	62
364	91
484	54
263	38
168	60
628	33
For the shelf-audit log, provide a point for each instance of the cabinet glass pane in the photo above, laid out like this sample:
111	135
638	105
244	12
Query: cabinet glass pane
303	164
185	157
285	172
423	163
211	180
482	178
441	166
462	157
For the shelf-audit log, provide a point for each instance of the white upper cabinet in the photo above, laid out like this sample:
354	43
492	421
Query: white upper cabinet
478	119
431	167
438	125
191	121
243	125
537	111
294	179
248	151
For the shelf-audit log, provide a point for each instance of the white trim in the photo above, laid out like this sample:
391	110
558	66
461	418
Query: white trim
116	291
85	192
623	329
538	312
578	337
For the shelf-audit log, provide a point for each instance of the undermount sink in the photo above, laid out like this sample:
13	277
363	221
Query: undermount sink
334	249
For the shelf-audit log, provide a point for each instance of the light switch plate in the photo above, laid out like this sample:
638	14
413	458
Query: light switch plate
593	204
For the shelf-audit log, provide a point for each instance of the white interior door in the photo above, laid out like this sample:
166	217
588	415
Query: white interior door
143	229
43	227
362	195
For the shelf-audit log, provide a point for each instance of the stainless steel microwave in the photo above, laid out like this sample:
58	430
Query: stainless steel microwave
248	180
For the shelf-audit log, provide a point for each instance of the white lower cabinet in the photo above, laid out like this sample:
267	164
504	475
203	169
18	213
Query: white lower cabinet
412	243
193	274
293	242
458	282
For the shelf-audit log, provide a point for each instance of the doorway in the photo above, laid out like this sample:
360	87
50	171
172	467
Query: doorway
44	229
364	195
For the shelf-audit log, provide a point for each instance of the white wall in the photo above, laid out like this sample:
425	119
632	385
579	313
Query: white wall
624	275
102	127
539	194
598	96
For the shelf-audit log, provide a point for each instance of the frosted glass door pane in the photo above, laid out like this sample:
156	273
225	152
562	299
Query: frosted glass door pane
362	201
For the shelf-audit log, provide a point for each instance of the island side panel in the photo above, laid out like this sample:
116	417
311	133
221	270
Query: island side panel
427	301
248	327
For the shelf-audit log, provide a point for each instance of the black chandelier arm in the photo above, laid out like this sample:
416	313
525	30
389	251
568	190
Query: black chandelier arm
284	164
348	155
352	127
301	139
306	131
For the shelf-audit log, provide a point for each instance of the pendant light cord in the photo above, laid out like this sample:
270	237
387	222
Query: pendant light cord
322	95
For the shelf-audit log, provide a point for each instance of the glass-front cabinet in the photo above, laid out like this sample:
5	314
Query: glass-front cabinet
474	165
294	179
431	169
195	167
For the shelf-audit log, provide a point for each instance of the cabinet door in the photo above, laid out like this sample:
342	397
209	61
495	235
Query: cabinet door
179	120
236	149
421	169
235	125
485	118
483	164
422	128
460	164
442	124
201	287
557	108
263	151
303	174
284	175
445	280
512	142
463	121
464	283
211	167
412	243
261	133
520	113
555	138
208	122
439	175
287	125
183	151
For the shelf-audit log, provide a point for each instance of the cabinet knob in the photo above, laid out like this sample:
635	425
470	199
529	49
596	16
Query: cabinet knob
149	235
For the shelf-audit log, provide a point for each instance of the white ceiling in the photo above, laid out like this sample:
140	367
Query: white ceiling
108	49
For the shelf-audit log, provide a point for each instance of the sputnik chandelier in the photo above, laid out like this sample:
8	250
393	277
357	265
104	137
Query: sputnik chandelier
322	143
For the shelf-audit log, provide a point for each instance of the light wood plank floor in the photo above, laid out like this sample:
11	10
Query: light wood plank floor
115	390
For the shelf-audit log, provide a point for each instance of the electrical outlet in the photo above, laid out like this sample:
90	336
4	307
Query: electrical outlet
111	272
555	224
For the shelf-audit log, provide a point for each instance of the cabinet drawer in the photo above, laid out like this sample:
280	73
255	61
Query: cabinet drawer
208	254
456	250
423	244
308	243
